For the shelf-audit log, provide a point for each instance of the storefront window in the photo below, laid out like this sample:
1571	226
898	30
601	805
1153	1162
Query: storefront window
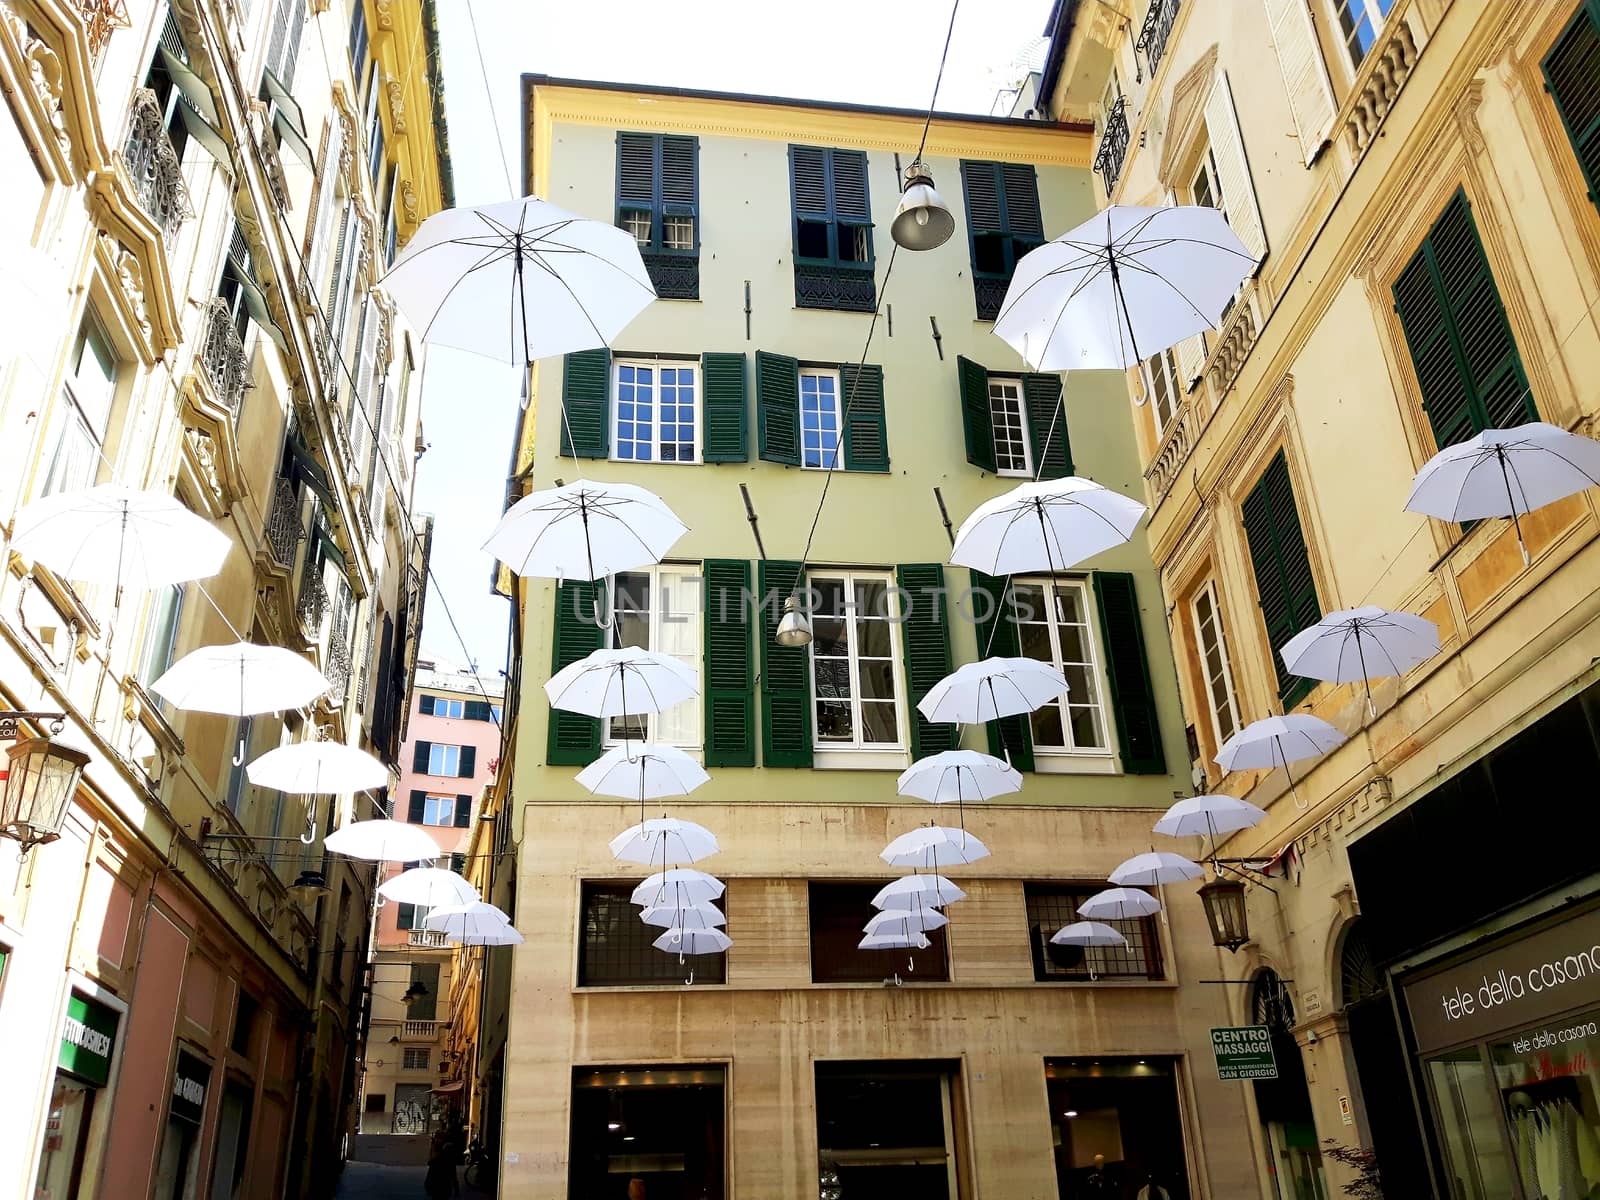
1469	1126
178	1167
233	1141
1117	1130
1551	1096
661	1126
83	1066
886	1129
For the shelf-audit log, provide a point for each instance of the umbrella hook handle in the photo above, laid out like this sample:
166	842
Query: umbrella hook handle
309	837
238	753
689	982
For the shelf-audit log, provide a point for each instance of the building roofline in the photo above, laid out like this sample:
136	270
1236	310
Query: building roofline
1063	16
441	130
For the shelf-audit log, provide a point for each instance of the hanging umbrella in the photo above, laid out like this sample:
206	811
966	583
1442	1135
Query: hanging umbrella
680	885
1157	867
499	935
917	891
1087	933
468	919
684	916
956	776
680	941
1126	284
1359	643
519	281
430	887
1049	525
1198	816
622	683
1277	742
383	841
932	847
646	772
894	941
318	767
584	530
664	840
1505	473
1119	904
905	920
240	680
991	688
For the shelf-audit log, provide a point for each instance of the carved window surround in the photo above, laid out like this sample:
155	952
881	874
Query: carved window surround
210	459
47	68
133	259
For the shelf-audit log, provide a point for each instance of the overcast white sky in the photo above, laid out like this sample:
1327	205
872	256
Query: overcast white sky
861	51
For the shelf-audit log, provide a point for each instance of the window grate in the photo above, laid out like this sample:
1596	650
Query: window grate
838	913
616	948
1051	906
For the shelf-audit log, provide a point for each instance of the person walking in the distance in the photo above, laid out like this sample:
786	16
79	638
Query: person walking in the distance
441	1183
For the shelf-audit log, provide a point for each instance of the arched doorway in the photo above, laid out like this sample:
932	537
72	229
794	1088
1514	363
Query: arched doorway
1284	1104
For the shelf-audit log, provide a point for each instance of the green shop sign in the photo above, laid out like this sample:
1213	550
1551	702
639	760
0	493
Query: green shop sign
1244	1052
87	1037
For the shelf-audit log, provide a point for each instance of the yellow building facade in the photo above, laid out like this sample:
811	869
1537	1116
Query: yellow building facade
1417	181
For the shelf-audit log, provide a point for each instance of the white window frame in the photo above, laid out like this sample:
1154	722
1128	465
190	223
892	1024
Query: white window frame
443	707
75	422
1208	593
838	419
436	804
445	755
637	221
419	917
1357	9
1206	169
412	1053
1011	381
656	365
1164	366
1094	666
857	751
685	581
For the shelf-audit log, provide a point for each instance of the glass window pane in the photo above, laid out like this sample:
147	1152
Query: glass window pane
878	723
1469	1122
871	599
833	678
833	722
828	636
874	639
1046	723
877	681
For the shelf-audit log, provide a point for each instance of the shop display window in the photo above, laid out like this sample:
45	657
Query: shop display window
661	1126
1117	1130
886	1129
1549	1083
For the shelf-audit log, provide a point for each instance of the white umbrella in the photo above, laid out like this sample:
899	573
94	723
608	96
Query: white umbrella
430	887
680	885
469	919
991	688
383	841
240	679
684	916
932	847
1049	525
1119	904
645	772
905	920
584	530
894	941
1505	473
318	767
1087	933
683	941
1277	742
624	682
498	935
1156	867
519	280
917	891
956	776
1198	816
663	840
1359	643
1126	284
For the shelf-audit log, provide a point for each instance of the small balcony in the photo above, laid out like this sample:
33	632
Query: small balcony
283	523
313	604
222	353
432	939
1155	31
337	665
102	18
154	166
1108	159
414	1031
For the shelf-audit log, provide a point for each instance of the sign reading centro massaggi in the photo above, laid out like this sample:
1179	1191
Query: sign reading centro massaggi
1244	1052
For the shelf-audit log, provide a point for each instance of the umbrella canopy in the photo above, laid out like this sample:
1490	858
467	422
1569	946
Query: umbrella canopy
1148	870
1361	643
1198	816
680	941
1277	742
584	530
1048	525
500	935
240	679
664	840
991	688
116	535
684	916
1087	933
430	887
1119	904
905	920
953	776
894	941
319	767
519	280
934	846
1126	284
678	886
917	891
643	772
625	682
384	841
469	918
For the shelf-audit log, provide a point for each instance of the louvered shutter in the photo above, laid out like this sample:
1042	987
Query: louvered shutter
425	706
1047	426
980	186
808	187
417	808
680	183
338	264
1282	565
1233	169
291	43
463	813
1572	77
850	201
778	408
722	390
866	434
730	718
977	419
785	674
1190	353
477	710
636	180
1133	699
1305	75
574	739
1020	189
419	757
322	234
989	603
405	916
469	762
585	399
925	644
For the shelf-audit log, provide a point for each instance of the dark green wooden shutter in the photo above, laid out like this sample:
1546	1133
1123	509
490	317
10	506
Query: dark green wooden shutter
419	757
778	408
1466	360
1282	565
850	199
1010	738
925	638
463	811
585	393
1019	188
980	186
1572	77
1047	426
785	674
405	916
866	434
417	810
425	706
469	762
1133	699
574	739
730	713
977	419
722	386
478	710
636	178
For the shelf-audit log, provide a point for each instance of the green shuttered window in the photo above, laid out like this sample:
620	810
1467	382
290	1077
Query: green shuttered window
1572	77
1010	738
585	392
866	437
722	388
925	644
832	229
778	408
1456	329
574	739
730	719
999	411
658	201
1003	224
853	400
1284	584
785	674
1133	701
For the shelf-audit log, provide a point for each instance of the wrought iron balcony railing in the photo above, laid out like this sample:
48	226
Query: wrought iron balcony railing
284	530
313	604
337	666
1113	149
154	165
1157	28
222	352
102	18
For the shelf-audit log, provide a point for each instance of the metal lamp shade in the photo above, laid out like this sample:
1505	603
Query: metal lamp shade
923	220
794	628
41	778
1226	913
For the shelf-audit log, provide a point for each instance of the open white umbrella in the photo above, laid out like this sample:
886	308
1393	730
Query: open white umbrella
469	919
905	920
495	935
383	841
680	941
1087	933
664	840
1126	284
645	772
318	767
684	916
1199	816
584	530
624	682
430	887
678	886
1119	904
932	847
1277	742
519	281
239	680
1360	643
917	891
906	940
1048	525
1505	473
991	688
1156	867
956	776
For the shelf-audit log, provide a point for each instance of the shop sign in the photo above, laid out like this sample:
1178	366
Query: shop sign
1244	1052
189	1082
1520	983
87	1037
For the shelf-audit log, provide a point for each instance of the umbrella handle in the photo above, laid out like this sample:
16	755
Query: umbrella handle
309	837
689	982
238	753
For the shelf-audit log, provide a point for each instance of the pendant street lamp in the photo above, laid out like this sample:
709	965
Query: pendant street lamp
794	629
1226	914
414	993
309	885
41	779
922	222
